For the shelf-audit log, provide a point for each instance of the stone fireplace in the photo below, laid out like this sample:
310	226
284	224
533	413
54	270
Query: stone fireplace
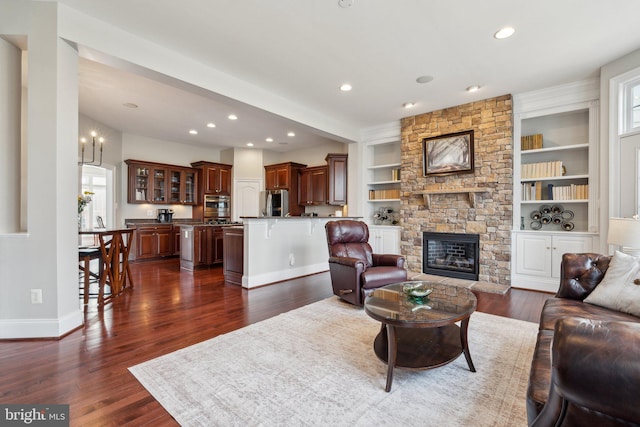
450	254
477	203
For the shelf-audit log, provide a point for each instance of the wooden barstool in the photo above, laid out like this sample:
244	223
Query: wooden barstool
85	255
114	250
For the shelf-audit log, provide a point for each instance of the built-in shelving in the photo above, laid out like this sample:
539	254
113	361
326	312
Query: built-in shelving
381	174
550	222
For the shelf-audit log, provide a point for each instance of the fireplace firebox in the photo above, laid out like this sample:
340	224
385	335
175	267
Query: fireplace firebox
451	255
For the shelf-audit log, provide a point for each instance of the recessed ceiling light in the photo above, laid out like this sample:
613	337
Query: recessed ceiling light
424	79
291	134
504	33
211	125
473	88
232	117
409	104
346	87
130	105
269	139
249	144
193	132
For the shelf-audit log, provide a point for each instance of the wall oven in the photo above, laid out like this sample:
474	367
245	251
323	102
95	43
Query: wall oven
216	207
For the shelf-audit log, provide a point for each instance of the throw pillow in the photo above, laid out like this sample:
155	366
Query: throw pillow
618	289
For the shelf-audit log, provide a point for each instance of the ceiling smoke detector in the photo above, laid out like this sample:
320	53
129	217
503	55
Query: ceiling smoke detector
345	3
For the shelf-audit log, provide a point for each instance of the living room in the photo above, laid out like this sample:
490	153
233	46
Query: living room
49	226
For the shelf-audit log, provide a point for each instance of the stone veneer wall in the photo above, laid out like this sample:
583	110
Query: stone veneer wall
491	218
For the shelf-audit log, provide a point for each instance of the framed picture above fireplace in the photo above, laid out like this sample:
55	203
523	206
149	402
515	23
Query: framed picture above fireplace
448	154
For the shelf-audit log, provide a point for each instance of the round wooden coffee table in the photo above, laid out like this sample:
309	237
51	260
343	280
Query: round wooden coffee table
421	334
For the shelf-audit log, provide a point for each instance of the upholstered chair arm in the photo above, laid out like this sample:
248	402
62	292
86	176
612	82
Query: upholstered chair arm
348	262
388	260
595	373
580	274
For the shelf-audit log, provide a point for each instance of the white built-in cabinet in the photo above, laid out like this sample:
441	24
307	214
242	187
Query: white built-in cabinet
555	190
381	178
538	256
384	239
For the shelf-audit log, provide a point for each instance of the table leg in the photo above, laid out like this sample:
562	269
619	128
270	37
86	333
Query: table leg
465	343
392	350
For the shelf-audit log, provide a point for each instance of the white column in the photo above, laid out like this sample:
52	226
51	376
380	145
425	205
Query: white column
45	256
10	94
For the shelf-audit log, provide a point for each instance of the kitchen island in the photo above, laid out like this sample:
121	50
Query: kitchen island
277	248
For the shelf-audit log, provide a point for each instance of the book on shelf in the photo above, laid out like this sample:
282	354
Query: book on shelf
392	193
531	142
571	192
536	191
541	170
395	174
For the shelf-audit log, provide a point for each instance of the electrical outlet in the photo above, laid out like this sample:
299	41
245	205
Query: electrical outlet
292	260
149	213
36	296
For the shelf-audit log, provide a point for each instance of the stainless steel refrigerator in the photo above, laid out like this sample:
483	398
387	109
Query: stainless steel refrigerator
275	203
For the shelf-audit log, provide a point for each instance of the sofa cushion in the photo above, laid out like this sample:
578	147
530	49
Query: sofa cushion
618	290
557	308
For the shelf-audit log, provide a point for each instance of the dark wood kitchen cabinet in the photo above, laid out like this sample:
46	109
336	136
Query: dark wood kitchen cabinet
312	186
159	183
217	246
216	177
233	267
282	176
337	179
176	240
201	245
153	241
183	184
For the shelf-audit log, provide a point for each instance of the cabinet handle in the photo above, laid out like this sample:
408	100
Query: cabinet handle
548	247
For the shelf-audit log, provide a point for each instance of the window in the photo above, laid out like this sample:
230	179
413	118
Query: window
99	181
631	106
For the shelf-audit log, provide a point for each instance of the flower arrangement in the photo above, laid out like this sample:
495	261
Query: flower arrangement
83	201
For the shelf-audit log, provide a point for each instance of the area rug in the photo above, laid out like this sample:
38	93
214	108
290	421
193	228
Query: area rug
315	366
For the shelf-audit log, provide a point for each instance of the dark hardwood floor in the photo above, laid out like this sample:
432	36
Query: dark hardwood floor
167	310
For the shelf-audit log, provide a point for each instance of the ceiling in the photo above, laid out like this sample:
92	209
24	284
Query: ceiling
303	50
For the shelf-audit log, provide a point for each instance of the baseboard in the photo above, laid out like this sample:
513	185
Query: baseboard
279	276
40	328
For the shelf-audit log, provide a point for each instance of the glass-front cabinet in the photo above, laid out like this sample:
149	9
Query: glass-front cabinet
161	184
190	180
141	185
175	182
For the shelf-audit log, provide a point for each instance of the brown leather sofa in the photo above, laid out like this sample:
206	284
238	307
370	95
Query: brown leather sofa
355	270
586	365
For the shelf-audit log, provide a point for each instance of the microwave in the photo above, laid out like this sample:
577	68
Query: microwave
217	206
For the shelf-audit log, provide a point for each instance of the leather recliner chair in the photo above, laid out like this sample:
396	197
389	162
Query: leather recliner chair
355	270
